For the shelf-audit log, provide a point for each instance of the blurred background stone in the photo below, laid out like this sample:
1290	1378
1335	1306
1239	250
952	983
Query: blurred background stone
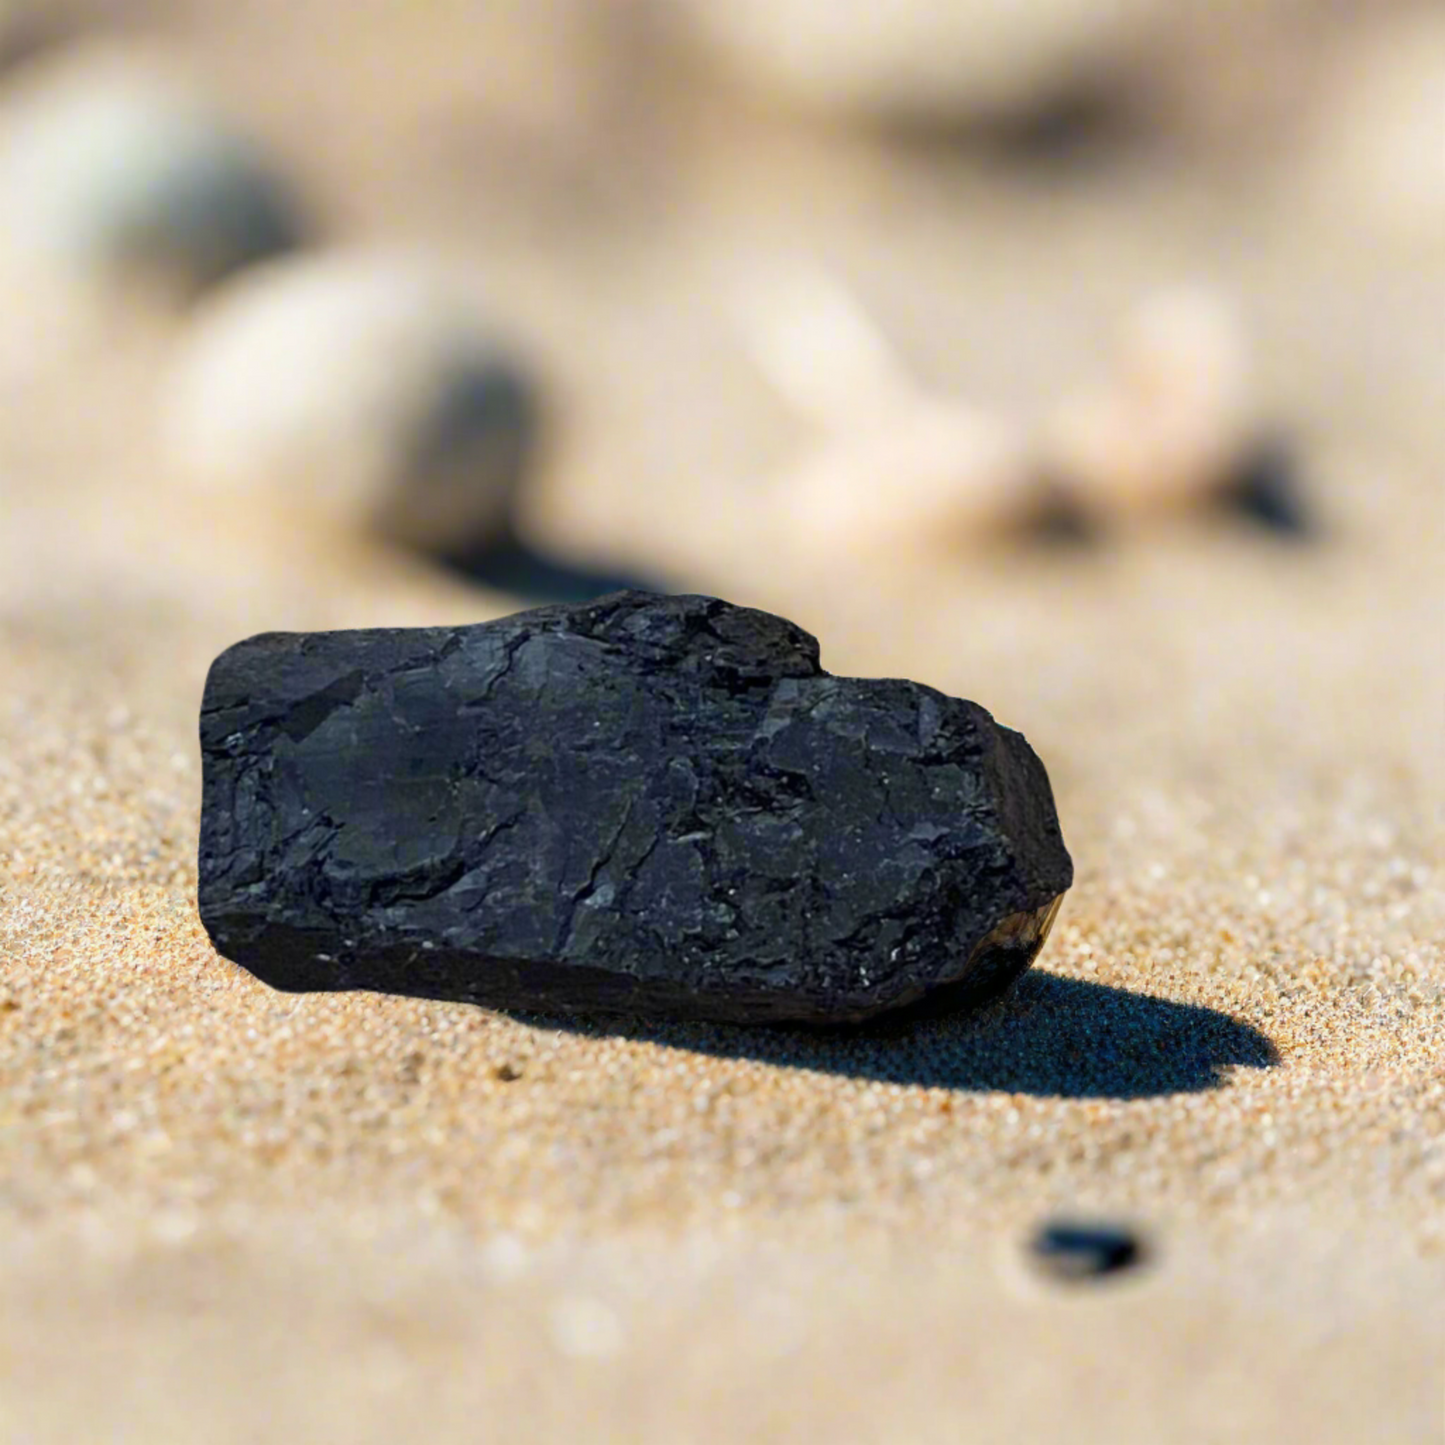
364	388
1234	79
920	62
115	168
1377	152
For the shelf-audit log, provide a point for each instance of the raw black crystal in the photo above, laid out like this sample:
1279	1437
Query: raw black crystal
644	805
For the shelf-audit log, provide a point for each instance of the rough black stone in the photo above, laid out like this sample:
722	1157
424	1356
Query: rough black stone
644	805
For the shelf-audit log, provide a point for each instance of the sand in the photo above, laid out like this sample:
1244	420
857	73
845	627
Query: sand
228	1214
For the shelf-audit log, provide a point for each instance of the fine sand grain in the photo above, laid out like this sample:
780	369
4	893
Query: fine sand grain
229	1214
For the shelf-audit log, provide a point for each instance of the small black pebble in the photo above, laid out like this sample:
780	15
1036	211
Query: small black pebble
1266	490
1071	1251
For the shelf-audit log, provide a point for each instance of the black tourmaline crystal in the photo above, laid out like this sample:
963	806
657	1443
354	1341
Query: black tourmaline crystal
642	805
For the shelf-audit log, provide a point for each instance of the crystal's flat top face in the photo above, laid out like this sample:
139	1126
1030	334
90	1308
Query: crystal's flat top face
644	785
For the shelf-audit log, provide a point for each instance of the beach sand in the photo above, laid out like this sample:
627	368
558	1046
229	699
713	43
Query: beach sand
229	1214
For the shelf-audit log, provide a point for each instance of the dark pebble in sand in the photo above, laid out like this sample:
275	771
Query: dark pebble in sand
1075	1251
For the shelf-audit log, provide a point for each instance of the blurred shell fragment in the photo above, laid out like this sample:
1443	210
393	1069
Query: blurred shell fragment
892	468
1170	421
928	479
364	390
112	168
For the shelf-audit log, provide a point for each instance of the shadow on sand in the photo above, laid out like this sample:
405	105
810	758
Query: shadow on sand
509	564
1050	1036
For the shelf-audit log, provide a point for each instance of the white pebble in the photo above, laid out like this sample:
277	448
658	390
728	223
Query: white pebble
112	167
359	389
1169	418
922	59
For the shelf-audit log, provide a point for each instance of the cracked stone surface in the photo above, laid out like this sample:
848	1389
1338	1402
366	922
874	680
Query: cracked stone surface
644	805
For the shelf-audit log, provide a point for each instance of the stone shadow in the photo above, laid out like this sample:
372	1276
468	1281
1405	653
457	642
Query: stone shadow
1049	1036
508	564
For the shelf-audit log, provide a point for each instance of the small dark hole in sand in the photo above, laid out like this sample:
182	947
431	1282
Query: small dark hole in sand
1076	1251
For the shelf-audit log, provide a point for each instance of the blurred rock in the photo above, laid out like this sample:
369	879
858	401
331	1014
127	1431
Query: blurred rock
363	390
1230	84
1379	146
927	62
925	480
27	30
1172	419
112	168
